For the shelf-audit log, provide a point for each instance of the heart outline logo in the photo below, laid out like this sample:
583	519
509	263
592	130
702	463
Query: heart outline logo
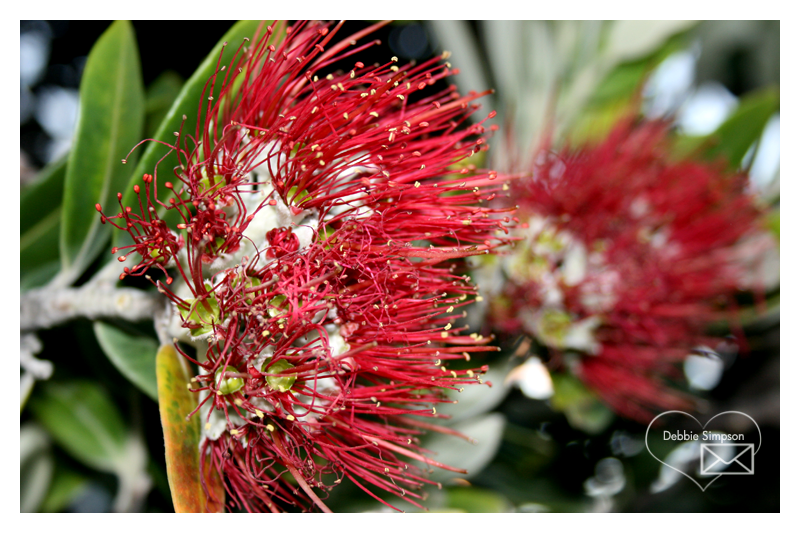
703	427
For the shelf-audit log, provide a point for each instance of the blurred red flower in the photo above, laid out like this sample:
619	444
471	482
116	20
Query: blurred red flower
627	255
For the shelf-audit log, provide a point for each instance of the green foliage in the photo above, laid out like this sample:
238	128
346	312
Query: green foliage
83	420
133	355
617	95
42	196
36	466
774	222
66	485
477	500
110	123
737	134
732	140
159	98
581	407
39	225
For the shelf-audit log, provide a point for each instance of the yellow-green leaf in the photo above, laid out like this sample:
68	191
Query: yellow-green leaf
182	438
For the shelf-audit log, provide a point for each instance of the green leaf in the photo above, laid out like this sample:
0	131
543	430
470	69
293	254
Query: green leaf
631	39
67	484
627	78
744	127
737	134
39	246
186	103
477	500
581	407
38	276
42	196
133	355
84	421
39	220
109	125
182	437
159	98
35	466
616	95
774	223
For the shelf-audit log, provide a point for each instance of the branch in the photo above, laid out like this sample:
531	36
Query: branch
47	307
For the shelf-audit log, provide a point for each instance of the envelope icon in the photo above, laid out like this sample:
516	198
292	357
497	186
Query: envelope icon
727	459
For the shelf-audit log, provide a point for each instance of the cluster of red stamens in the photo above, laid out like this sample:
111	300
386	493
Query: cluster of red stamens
321	227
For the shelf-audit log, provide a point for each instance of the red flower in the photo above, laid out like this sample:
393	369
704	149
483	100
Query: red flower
626	257
317	246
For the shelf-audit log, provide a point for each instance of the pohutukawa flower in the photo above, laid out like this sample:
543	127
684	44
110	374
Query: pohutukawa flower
317	264
626	257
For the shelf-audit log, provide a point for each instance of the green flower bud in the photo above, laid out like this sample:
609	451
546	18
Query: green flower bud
228	385
275	306
302	195
205	184
249	283
202	313
282	382
554	326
